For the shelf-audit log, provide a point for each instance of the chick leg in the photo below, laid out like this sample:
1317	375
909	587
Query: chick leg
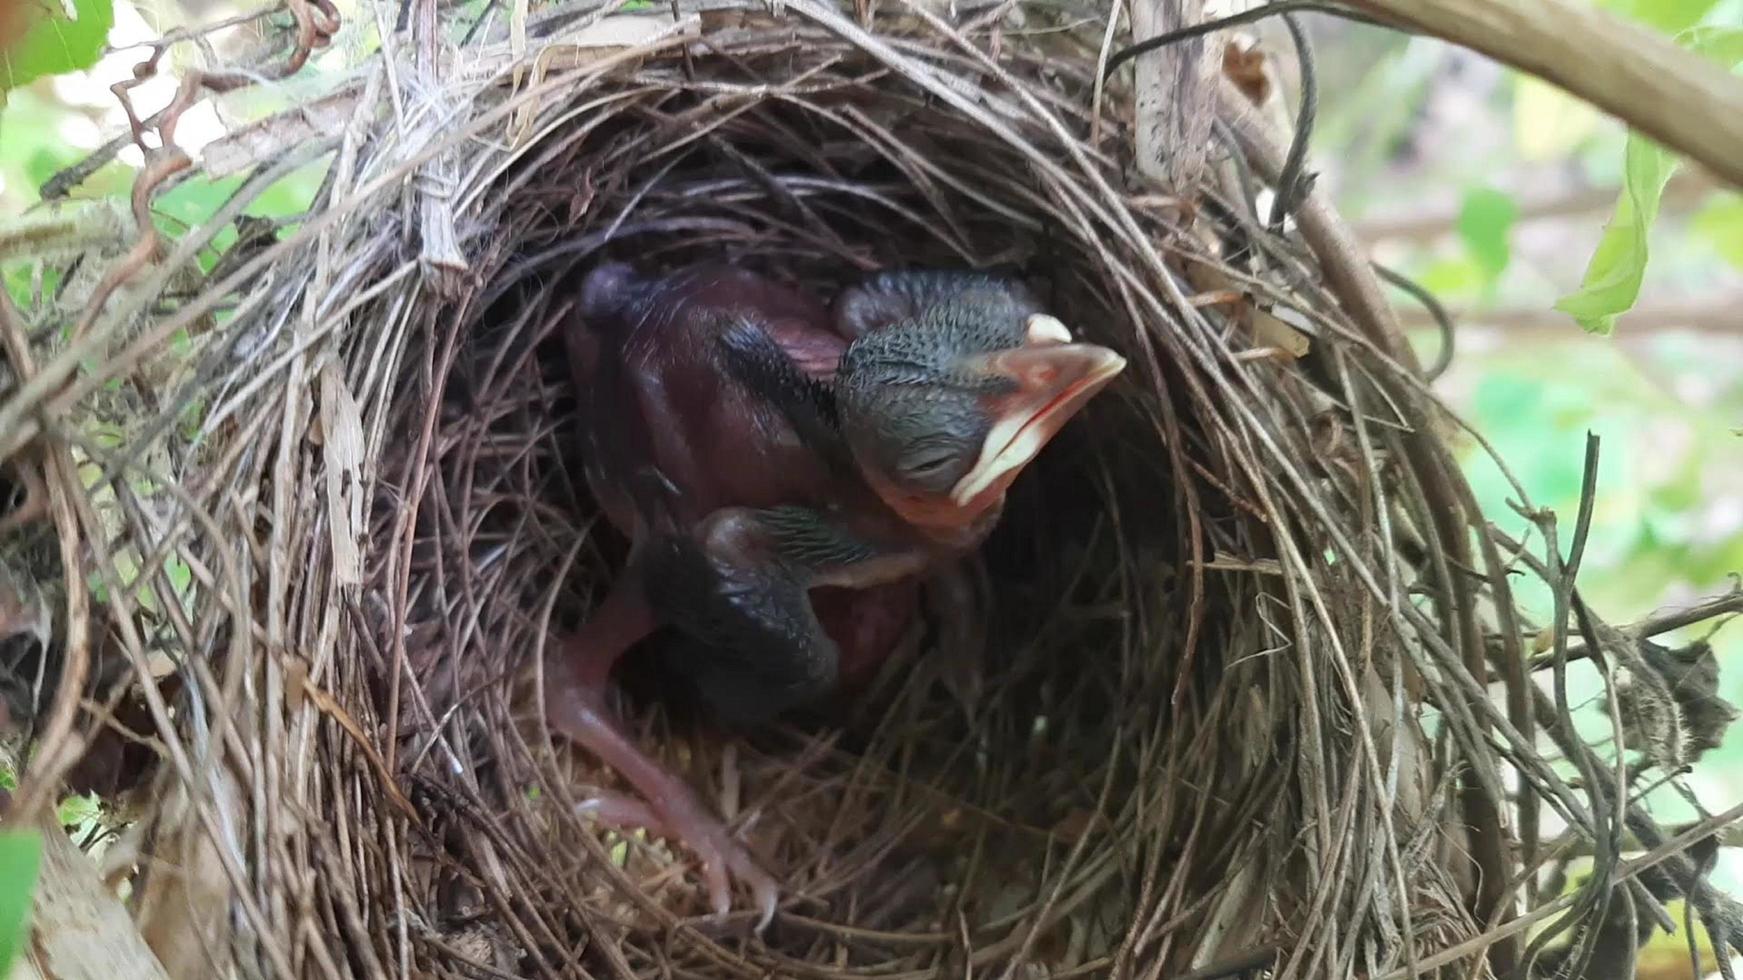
575	705
955	595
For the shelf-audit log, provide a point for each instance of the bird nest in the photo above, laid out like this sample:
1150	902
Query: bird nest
1254	691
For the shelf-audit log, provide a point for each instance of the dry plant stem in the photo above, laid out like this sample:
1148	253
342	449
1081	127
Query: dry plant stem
1683	876
17	426
1351	278
1686	102
1669	850
1572	846
1348	272
1174	92
444	262
59	746
168	159
1729	604
1510	660
1594	899
208	827
162	163
1382	513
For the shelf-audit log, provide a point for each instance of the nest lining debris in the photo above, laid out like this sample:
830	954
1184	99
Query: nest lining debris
1216	610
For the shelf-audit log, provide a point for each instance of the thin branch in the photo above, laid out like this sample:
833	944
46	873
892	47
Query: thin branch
1578	845
1730	603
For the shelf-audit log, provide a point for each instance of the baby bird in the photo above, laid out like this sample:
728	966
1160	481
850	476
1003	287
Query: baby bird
786	474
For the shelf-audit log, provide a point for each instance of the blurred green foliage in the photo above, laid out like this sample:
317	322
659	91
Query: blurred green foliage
20	860
1720	224
1485	221
34	146
1666	474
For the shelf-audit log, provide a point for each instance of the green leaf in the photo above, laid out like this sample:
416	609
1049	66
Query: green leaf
1485	222
76	810
1613	276
181	577
55	42
1618	266
20	859
1720	223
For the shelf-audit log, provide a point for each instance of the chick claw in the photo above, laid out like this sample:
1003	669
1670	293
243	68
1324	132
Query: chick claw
575	705
682	819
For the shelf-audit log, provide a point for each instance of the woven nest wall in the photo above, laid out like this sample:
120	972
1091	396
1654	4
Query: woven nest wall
1234	708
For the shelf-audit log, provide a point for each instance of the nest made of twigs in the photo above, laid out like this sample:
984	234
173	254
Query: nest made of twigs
347	516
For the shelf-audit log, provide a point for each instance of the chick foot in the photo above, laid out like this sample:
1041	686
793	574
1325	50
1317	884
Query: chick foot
685	821
575	706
